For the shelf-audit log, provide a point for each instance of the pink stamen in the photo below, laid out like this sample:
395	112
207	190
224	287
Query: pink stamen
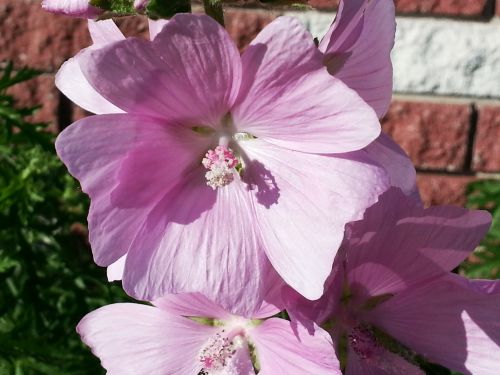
221	155
220	164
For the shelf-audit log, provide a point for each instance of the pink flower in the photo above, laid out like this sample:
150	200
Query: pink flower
140	4
357	50
76	8
71	81
188	334
392	297
292	127
70	78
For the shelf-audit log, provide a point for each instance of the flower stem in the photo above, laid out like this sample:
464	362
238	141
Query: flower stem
213	8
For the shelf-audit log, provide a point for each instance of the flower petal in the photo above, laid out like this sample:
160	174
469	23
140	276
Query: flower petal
273	297
77	8
397	164
200	240
189	73
288	98
398	243
104	32
191	305
140	4
386	363
126	164
284	350
241	363
73	84
448	321
155	26
115	270
486	286
321	310
303	202
357	49
70	79
136	339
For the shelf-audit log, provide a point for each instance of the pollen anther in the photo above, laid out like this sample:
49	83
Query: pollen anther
221	163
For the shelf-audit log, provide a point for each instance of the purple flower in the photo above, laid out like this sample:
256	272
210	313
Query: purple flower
293	128
76	8
392	298
188	334
357	51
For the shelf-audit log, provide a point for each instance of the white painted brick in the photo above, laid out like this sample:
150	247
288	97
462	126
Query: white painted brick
438	56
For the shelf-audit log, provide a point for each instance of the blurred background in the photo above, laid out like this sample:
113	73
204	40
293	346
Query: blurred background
445	114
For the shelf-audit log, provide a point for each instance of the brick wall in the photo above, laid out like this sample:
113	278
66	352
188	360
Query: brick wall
433	8
445	112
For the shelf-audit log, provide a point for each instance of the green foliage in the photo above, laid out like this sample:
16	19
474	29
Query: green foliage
47	276
116	7
485	263
166	9
155	9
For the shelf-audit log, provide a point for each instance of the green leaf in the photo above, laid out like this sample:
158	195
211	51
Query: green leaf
485	262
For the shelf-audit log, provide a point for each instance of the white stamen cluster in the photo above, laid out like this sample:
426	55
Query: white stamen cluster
219	176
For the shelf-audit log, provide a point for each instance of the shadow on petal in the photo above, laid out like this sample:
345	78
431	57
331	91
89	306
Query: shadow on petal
261	181
335	61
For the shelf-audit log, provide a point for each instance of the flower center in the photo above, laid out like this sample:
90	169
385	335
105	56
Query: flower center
221	164
364	343
218	354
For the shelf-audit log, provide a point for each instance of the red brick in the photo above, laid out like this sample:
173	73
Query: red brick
443	189
467	8
134	26
434	135
486	156
36	38
39	91
243	26
497	8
